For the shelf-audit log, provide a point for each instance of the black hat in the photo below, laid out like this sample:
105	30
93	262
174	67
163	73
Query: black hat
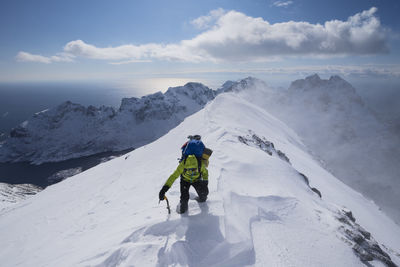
195	137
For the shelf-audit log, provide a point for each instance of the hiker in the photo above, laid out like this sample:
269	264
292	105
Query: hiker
193	172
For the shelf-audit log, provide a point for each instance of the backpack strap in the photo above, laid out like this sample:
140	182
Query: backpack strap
199	165
183	148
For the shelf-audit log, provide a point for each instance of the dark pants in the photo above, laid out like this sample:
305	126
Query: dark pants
201	188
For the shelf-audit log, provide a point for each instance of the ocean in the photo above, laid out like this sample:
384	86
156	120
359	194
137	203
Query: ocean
19	101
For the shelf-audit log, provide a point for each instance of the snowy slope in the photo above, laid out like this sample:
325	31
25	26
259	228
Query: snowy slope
72	130
261	210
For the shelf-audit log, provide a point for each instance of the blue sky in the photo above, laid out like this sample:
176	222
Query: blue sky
210	41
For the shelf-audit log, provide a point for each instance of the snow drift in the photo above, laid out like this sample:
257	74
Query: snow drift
262	209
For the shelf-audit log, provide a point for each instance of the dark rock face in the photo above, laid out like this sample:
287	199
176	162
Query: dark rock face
13	193
363	244
307	181
18	132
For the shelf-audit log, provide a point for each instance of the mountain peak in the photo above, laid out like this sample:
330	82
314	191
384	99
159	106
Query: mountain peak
243	84
315	82
312	81
335	78
188	87
194	85
314	77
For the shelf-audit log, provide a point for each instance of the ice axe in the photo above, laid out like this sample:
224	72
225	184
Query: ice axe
168	208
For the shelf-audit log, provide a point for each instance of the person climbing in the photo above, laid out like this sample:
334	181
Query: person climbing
193	172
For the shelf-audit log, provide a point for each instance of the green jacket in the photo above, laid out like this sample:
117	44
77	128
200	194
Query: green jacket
189	170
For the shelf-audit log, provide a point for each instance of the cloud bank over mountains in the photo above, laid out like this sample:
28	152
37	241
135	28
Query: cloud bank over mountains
231	36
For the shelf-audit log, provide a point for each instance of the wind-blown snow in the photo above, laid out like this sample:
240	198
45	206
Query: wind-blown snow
339	129
260	210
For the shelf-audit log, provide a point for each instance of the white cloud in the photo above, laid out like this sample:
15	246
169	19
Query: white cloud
133	53
205	22
282	3
27	57
80	48
240	37
234	36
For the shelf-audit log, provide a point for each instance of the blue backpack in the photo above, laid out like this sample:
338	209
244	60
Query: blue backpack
193	147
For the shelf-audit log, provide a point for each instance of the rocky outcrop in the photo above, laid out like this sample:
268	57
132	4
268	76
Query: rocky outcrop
363	244
11	194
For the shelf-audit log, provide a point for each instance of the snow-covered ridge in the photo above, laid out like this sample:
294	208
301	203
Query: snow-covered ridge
260	211
71	130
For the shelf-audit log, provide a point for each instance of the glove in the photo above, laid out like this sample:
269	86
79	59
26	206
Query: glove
163	190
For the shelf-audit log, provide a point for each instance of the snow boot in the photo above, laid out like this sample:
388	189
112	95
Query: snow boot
201	199
183	207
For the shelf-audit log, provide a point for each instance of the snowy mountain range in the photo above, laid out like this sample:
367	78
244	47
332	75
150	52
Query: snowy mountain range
270	204
71	130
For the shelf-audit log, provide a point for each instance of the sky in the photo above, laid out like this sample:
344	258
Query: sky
171	41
